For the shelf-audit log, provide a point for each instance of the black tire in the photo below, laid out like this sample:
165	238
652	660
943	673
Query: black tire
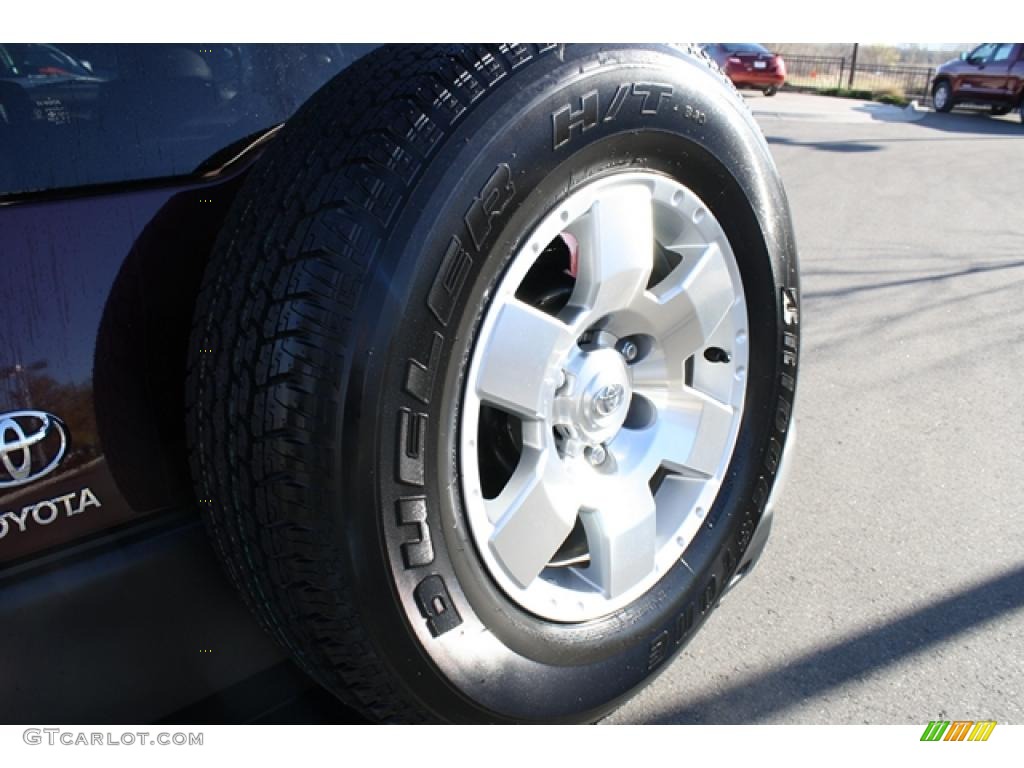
999	110
942	94
332	335
771	90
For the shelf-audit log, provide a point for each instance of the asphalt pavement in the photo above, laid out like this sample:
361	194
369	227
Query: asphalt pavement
892	588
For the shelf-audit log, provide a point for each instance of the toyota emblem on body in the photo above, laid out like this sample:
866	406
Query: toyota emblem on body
608	399
26	453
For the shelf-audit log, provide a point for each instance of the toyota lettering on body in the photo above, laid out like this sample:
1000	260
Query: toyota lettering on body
47	512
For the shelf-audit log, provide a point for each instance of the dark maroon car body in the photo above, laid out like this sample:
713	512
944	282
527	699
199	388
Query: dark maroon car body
991	74
115	178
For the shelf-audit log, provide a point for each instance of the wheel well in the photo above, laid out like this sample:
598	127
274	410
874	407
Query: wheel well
142	347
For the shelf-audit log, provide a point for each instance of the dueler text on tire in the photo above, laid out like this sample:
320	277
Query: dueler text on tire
498	337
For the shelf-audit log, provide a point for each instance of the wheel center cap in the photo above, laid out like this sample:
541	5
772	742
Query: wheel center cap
594	404
608	400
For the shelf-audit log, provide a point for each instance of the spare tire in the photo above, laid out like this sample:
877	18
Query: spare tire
493	367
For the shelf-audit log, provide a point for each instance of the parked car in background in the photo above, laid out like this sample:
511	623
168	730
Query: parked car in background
42	86
749	65
992	75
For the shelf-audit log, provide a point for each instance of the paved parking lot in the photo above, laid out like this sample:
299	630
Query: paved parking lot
892	589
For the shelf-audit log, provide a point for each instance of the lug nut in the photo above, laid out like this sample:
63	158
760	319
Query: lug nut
629	350
596	455
716	355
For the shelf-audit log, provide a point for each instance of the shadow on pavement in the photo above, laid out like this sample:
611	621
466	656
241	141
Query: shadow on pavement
756	699
281	695
980	307
976	269
974	123
977	126
827	146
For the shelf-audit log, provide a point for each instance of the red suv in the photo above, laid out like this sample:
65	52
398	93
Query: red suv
990	75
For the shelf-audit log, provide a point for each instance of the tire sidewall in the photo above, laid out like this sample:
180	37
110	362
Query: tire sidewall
499	172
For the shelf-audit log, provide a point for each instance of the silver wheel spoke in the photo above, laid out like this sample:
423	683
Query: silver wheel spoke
517	373
689	304
621	535
533	515
691	432
616	252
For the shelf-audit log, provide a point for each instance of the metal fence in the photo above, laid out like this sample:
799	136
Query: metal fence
817	72
824	72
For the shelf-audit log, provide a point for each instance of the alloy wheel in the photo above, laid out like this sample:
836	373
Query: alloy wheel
604	397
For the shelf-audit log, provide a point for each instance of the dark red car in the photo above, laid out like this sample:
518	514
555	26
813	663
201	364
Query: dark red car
749	65
991	75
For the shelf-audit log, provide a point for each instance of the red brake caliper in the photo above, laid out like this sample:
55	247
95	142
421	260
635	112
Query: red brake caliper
574	253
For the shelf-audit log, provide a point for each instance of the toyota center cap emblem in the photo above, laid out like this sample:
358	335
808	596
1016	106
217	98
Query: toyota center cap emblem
32	445
608	399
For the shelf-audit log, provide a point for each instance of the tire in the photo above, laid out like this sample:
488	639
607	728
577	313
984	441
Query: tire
350	300
942	96
771	90
999	110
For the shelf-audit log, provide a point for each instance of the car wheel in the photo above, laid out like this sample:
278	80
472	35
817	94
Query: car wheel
942	96
492	371
770	90
1000	109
